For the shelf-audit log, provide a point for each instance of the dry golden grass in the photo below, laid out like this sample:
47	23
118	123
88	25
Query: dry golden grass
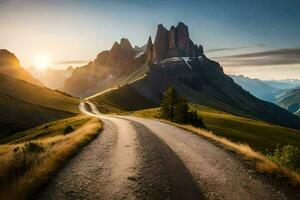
263	164
24	166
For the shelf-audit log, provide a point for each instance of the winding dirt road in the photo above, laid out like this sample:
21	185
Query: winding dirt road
135	158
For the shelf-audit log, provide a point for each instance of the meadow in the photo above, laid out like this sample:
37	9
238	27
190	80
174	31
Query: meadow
30	159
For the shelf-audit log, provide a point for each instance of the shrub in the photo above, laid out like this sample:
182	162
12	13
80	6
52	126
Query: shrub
287	156
68	129
33	147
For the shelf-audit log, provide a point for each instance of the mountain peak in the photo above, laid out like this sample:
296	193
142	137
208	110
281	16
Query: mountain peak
149	50
8	58
124	43
175	42
181	24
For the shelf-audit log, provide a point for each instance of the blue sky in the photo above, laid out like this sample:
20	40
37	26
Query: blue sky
77	30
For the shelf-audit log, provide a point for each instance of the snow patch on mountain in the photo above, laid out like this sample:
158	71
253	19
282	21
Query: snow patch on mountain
186	59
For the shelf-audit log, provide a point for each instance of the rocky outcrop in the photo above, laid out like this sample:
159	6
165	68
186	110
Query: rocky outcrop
149	51
118	54
183	39
161	42
175	42
101	73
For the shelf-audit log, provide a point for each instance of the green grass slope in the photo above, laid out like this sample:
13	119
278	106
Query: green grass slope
50	129
121	99
258	134
24	105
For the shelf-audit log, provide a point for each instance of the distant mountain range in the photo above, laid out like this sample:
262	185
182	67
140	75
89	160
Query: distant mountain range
258	88
287	96
172	59
290	100
52	78
283	84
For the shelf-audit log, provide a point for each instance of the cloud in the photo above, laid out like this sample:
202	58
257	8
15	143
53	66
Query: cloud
272	57
235	48
72	62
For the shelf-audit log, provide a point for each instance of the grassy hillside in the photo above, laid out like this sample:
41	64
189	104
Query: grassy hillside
259	135
50	129
121	99
24	105
32	158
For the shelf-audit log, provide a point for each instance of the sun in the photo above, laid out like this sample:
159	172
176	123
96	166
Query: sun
41	62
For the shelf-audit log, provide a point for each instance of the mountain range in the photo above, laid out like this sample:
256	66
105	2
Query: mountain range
258	88
107	70
283	84
288	98
52	78
172	59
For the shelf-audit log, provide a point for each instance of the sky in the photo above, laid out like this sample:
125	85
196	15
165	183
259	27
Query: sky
256	38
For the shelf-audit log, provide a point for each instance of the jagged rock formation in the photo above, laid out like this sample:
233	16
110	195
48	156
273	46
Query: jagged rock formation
175	42
10	65
107	69
119	56
149	51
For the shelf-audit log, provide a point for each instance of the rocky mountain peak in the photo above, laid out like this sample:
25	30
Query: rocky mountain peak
125	44
175	42
149	50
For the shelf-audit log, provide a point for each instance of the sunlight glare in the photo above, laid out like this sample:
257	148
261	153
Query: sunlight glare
41	61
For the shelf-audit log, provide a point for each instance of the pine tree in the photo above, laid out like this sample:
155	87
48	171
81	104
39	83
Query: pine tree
181	113
176	108
168	103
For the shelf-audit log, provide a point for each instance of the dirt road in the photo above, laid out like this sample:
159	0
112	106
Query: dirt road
137	158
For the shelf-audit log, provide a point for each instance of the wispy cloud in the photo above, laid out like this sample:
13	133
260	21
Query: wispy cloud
272	57
235	48
72	62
